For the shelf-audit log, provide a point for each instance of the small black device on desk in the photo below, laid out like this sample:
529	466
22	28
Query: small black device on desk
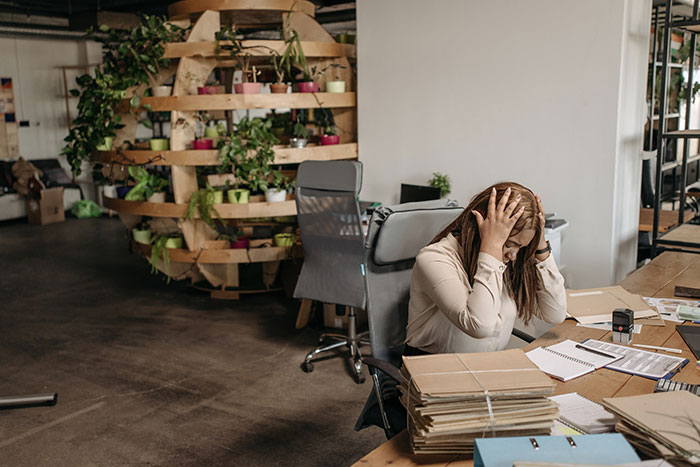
622	325
665	385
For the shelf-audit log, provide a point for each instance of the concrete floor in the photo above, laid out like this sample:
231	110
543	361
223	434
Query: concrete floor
151	374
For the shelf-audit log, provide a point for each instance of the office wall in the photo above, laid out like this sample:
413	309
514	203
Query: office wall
38	87
549	93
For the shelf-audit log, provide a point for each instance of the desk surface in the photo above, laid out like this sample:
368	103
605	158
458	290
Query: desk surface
656	279
667	219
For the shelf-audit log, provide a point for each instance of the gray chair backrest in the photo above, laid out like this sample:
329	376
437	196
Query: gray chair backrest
331	232
396	235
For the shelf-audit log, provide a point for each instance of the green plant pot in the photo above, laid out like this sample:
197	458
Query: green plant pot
159	144
173	243
141	236
211	132
284	239
218	196
238	196
106	144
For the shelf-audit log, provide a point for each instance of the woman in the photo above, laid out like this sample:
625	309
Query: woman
487	267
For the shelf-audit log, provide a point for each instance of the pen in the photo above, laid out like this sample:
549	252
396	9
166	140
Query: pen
667	349
579	346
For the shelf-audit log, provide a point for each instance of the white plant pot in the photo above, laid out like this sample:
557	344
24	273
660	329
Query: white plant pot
109	191
162	91
335	86
158	197
273	195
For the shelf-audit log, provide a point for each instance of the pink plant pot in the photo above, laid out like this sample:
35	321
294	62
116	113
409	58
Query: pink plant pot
247	88
202	144
308	86
206	90
241	243
327	140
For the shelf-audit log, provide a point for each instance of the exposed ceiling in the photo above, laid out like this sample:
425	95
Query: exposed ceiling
57	19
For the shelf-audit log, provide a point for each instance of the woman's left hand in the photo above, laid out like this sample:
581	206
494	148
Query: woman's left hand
542	243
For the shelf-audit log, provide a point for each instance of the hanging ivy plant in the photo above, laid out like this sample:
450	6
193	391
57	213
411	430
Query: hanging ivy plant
129	58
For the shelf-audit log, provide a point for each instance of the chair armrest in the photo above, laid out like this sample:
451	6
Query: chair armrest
522	335
385	367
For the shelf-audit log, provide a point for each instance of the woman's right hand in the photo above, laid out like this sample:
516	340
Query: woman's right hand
499	222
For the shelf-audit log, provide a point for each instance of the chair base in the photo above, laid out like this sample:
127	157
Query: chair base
352	341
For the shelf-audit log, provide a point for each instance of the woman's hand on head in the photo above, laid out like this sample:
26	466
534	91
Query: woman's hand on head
495	229
542	243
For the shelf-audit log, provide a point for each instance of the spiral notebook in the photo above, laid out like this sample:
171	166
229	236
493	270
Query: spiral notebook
583	414
568	359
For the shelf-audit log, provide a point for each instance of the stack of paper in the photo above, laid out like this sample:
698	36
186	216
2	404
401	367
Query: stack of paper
454	398
663	424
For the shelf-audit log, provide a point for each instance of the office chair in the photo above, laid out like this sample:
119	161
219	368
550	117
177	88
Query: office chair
396	235
332	243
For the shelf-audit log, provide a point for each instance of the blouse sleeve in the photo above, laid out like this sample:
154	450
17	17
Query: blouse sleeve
551	295
474	310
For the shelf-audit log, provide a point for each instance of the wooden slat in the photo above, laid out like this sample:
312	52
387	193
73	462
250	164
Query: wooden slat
683	134
667	219
259	48
191	7
297	100
226	256
227	211
684	233
283	155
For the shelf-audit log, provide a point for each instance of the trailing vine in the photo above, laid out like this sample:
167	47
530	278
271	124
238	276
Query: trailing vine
130	58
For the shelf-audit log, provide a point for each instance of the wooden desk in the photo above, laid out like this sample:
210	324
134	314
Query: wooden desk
667	219
655	279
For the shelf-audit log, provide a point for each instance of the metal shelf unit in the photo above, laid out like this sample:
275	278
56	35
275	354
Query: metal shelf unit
689	241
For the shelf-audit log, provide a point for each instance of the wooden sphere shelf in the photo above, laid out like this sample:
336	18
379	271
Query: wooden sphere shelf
193	62
283	155
297	100
259	48
178	211
222	256
253	12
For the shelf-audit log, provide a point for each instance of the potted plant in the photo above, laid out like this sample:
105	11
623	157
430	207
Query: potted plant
330	135
284	239
159	251
204	200
159	144
441	181
161	91
106	144
336	85
239	241
148	186
208	89
200	142
301	135
277	191
279	86
247	87
131	58
312	75
142	233
238	195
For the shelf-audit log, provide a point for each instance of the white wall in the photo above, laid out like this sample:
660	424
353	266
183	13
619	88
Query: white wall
33	65
549	93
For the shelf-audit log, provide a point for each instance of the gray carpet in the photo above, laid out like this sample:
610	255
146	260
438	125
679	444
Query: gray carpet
151	374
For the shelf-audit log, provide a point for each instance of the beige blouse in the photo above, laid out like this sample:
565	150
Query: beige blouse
447	314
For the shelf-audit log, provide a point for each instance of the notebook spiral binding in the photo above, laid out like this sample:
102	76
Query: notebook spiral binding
568	357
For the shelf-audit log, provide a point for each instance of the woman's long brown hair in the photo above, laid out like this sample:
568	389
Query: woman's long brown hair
521	279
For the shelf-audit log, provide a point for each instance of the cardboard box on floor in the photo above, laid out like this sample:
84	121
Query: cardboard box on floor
331	319
48	208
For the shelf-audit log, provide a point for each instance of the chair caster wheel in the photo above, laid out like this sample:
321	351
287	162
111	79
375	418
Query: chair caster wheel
307	367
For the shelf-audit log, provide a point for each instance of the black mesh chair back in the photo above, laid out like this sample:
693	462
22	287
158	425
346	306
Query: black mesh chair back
331	232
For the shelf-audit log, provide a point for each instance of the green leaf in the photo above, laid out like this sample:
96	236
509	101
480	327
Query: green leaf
135	101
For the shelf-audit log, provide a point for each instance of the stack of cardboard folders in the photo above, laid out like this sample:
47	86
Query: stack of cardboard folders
663	424
447	397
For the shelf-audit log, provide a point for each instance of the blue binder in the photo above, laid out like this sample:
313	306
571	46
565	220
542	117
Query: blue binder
605	449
